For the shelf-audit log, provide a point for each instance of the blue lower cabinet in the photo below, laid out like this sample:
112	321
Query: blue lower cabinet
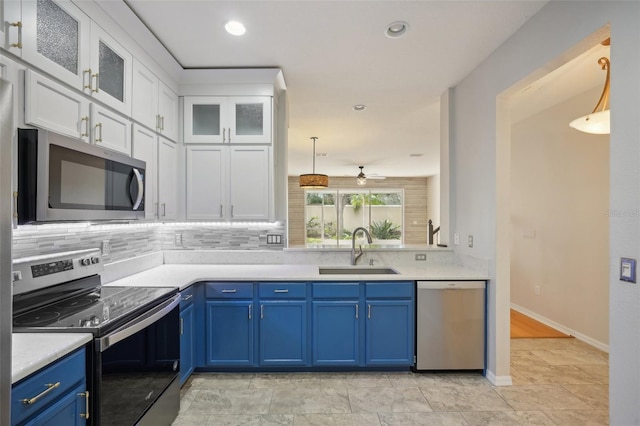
283	332
187	343
336	333
229	333
56	395
389	333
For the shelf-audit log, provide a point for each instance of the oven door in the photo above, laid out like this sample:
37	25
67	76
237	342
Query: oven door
136	369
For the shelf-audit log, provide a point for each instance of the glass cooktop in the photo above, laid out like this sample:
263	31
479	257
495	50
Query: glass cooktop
92	311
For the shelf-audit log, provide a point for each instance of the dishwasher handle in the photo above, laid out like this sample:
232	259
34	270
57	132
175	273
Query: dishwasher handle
450	285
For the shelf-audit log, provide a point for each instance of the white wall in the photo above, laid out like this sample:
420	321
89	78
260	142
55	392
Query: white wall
481	166
560	230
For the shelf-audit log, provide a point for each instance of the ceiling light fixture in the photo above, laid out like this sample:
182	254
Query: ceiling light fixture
235	28
361	179
396	29
313	180
359	107
598	122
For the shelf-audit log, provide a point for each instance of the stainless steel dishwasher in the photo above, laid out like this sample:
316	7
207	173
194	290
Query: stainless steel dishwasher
450	325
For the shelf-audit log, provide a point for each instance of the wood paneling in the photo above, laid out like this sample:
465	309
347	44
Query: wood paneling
415	205
523	327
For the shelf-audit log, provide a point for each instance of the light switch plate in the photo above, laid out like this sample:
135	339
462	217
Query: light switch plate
627	269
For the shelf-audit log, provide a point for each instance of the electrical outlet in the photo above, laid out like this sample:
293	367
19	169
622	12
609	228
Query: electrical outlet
421	256
178	239
537	290
456	239
470	240
274	239
106	247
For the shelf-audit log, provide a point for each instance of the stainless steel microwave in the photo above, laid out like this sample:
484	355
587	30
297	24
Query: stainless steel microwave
64	179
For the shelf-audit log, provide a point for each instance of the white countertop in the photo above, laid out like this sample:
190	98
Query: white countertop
33	351
183	276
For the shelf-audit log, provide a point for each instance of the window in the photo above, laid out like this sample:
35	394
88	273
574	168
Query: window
332	215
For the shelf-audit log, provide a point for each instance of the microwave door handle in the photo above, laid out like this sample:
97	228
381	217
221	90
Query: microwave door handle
138	324
138	176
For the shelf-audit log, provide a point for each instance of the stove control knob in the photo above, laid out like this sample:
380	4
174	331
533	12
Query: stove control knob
85	262
95	320
86	323
95	259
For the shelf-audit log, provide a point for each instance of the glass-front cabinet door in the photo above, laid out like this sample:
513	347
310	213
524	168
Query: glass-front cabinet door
55	36
205	119
228	120
250	119
111	71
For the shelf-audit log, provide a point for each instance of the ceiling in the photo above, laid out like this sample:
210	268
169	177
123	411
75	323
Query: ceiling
334	54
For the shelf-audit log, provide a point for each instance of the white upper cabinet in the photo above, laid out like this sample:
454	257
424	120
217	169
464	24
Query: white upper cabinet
110	72
145	148
155	105
250	189
11	30
54	107
167	177
58	38
233	120
206	181
55	36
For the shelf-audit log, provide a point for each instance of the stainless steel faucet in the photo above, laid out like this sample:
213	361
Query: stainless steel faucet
432	232
354	256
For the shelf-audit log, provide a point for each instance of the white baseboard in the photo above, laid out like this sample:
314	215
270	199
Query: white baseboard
498	380
560	327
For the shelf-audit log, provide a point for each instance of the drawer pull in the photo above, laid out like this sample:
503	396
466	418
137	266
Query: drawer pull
86	404
187	297
50	387
281	291
229	290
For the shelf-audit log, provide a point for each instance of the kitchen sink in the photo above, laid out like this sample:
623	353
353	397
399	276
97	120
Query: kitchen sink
355	271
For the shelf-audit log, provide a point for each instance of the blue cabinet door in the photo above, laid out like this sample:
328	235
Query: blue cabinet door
389	332
229	333
283	332
336	332
67	410
187	342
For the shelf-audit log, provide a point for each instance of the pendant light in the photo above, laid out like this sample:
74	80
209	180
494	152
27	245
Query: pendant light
598	121
313	180
361	179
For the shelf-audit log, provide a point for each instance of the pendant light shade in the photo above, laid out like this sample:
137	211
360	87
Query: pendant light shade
314	180
361	179
598	121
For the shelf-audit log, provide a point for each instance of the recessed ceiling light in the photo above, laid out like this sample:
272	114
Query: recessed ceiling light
235	28
359	107
396	29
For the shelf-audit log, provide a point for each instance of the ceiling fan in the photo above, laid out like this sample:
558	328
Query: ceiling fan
361	179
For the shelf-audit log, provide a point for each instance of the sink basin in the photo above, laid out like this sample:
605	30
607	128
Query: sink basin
355	271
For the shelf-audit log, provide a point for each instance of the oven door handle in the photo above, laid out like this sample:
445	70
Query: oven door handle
138	324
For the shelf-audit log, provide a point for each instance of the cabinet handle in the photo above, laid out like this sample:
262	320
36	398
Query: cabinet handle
224	135
229	134
86	127
157	121
231	210
261	311
85	415
97	77
187	297
281	291
181	326
50	387
229	290
220	210
369	311
157	210
250	309
162	121
19	26
85	72
99	130
357	311
164	209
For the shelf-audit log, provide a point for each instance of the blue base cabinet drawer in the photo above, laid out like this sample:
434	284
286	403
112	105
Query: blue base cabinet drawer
55	392
228	290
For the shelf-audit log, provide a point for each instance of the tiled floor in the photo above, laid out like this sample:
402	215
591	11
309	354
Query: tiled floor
555	381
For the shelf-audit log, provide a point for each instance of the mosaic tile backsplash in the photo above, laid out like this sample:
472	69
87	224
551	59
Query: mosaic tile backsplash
128	241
